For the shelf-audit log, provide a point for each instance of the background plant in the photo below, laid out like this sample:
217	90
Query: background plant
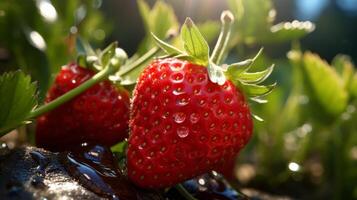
307	145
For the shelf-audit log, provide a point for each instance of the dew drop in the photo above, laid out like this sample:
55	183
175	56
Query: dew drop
194	118
179	117
183	101
182	132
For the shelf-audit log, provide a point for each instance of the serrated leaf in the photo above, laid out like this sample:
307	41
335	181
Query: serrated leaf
255	77
194	43
17	100
216	74
324	84
169	49
257	90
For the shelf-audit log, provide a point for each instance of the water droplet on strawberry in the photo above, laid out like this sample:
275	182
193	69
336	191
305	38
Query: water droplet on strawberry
179	117
194	118
182	132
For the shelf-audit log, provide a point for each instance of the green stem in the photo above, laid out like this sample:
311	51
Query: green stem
219	50
73	93
138	62
184	192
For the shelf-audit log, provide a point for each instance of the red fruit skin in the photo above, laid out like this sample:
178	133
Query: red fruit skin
99	115
183	125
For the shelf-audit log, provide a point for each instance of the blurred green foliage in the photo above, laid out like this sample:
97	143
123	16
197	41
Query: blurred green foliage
38	36
307	145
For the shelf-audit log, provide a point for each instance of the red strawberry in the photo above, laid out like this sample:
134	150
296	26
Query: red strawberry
99	115
189	115
182	124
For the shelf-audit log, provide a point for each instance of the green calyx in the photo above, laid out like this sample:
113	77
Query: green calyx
99	59
106	63
196	50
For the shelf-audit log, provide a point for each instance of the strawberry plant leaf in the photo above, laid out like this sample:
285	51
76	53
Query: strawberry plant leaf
344	68
194	43
160	20
17	100
353	86
324	84
287	31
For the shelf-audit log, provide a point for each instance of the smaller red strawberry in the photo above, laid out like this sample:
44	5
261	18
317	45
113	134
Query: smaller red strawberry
189	115
99	115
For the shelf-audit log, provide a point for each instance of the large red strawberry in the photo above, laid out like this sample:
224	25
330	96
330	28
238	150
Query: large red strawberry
188	114
99	115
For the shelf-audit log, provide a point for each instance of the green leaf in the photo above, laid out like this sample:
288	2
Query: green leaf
254	18
253	90
160	20
17	100
353	86
287	31
194	43
344	68
169	49
144	10
255	77
233	70
324	84
107	54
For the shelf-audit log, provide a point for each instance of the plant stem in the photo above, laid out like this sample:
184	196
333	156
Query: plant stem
138	62
219	50
73	93
184	192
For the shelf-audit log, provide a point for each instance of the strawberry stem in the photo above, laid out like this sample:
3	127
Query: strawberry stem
219	50
111	68
184	192
138	62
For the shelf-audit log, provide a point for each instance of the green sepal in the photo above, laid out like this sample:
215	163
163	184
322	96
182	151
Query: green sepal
256	117
252	90
167	48
255	77
233	70
194	43
237	68
107	54
196	49
258	100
